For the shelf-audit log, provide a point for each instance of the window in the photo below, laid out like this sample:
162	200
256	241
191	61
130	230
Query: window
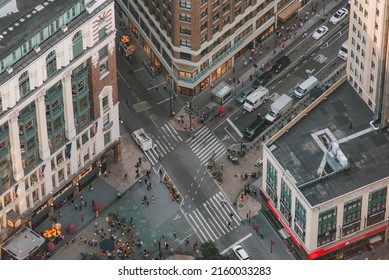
271	182
186	43
216	17
103	53
300	219
352	216
103	68
203	39
185	5
203	13
286	201
185	17
77	44
24	84
372	65
377	203
186	56
204	26
372	78
105	103
185	30
51	63
363	53
107	138
215	4
102	31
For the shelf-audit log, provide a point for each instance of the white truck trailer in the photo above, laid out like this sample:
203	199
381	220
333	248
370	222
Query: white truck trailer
142	139
279	108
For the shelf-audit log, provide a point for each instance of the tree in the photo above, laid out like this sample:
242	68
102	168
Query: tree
210	252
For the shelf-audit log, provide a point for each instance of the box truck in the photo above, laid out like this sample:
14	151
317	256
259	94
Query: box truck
279	107
142	139
256	98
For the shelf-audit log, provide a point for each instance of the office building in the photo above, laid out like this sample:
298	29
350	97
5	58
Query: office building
367	61
194	42
58	104
326	177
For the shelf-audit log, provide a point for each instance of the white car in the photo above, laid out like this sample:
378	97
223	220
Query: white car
320	32
240	252
339	15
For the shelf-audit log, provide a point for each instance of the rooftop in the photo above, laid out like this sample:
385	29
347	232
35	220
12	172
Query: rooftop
305	150
19	27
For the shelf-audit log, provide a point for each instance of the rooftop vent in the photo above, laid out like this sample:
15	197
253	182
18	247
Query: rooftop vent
9	70
37	49
64	28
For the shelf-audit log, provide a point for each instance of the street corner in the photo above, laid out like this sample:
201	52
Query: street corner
247	206
181	121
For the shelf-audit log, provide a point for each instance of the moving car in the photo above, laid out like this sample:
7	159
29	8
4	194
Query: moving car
280	64
240	252
242	96
339	15
262	80
320	32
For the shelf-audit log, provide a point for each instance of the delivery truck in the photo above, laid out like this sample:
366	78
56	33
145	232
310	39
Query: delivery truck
279	107
256	99
142	139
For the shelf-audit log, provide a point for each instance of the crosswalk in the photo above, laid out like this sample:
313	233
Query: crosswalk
213	219
205	144
165	141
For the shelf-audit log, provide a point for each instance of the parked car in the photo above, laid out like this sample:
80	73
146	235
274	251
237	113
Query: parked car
242	96
240	252
262	80
339	15
320	32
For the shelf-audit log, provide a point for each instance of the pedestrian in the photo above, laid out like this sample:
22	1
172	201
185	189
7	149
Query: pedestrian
156	88
125	175
139	160
187	241
93	202
144	198
274	52
175	235
72	200
166	245
67	244
105	174
146	180
231	215
81	206
59	214
76	206
91	187
149	186
229	224
152	199
147	201
150	83
221	166
140	182
82	217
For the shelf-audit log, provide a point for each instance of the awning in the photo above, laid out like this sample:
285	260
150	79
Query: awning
289	11
40	217
23	243
89	177
375	239
61	198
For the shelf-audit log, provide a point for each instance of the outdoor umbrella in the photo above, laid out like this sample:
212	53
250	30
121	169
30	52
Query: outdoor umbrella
107	245
51	246
72	229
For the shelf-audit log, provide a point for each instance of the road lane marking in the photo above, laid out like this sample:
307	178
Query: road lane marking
234	127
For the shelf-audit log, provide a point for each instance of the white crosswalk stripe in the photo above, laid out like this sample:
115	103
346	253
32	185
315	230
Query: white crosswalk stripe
274	96
205	144
164	142
211	219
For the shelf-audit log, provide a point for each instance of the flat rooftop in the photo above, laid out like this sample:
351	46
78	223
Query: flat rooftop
32	16
342	118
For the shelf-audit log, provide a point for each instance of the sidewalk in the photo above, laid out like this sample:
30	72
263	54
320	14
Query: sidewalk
105	191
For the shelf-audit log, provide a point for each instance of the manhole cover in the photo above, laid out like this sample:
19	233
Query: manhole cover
240	205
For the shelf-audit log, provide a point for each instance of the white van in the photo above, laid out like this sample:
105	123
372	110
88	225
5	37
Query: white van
256	98
305	87
343	51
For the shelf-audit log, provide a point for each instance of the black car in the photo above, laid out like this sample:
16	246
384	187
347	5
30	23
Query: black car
255	128
280	64
262	80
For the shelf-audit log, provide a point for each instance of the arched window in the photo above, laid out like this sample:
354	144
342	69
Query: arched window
24	84
77	44
51	63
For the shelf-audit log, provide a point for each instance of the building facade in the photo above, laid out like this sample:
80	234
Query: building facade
193	43
367	62
58	104
326	183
